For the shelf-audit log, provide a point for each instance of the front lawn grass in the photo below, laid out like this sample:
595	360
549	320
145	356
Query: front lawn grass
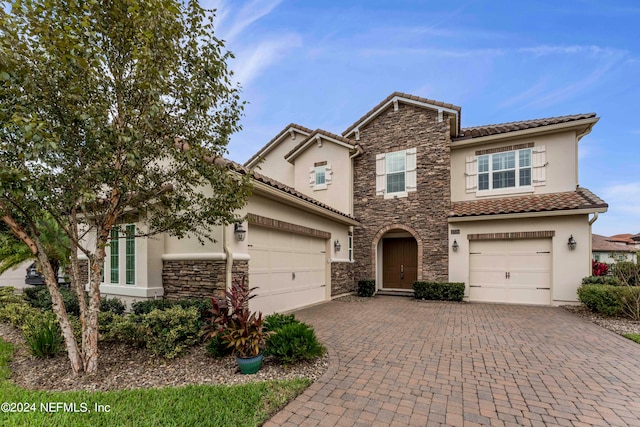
214	405
633	337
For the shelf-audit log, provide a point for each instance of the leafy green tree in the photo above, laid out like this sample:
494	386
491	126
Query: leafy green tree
112	111
14	252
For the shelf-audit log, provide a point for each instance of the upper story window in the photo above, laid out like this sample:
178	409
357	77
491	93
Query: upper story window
320	175
396	173
506	169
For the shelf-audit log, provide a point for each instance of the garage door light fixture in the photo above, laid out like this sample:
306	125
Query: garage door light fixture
240	232
455	245
571	243
337	245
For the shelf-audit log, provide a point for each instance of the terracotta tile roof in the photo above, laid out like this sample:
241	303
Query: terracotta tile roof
604	244
275	138
622	238
402	95
571	200
486	130
275	184
319	132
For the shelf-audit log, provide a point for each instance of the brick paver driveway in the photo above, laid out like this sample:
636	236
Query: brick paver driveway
398	361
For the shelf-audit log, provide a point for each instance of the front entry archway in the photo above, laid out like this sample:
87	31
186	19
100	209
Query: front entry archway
399	262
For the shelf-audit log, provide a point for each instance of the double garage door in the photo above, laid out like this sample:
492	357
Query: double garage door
510	271
289	269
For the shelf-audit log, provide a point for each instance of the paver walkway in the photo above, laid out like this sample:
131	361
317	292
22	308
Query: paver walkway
398	361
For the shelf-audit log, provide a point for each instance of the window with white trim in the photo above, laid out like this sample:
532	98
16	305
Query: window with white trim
320	175
396	173
504	170
125	253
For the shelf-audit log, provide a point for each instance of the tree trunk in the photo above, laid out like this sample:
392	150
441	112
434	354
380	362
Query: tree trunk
90	330
60	311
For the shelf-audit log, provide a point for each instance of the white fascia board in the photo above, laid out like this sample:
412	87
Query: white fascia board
300	150
497	217
291	200
406	101
526	132
274	144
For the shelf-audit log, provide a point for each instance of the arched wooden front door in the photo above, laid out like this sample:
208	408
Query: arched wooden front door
400	262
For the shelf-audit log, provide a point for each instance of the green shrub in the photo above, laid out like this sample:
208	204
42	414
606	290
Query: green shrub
39	297
114	305
170	332
147	306
366	288
17	314
294	342
441	291
601	280
628	273
8	296
203	305
600	298
43	335
217	347
629	298
127	329
275	321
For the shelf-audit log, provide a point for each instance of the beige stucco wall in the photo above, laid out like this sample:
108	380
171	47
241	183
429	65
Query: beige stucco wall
274	165
339	193
561	171
568	267
263	206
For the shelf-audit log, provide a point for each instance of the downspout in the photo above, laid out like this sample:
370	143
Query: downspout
229	258
591	221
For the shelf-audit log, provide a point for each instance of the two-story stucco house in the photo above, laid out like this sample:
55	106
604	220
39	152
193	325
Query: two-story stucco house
404	194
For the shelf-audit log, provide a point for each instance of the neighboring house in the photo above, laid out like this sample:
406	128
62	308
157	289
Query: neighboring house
404	194
621	247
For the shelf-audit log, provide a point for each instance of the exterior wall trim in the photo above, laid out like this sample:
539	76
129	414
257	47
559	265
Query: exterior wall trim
505	148
208	256
525	215
286	226
380	234
513	235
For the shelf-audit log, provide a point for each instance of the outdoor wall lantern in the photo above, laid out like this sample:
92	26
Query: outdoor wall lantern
572	242
240	232
455	245
337	245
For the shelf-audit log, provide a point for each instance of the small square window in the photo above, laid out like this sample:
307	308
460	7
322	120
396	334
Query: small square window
320	173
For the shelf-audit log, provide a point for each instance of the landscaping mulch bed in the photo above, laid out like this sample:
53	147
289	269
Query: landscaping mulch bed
124	367
619	325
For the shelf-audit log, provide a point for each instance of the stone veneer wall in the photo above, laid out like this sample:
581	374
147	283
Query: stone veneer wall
425	210
198	278
342	280
83	267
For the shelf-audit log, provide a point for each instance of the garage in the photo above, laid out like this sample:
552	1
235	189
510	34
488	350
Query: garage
289	269
510	271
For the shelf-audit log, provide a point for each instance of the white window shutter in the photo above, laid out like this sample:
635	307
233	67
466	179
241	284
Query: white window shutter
471	174
380	174
412	172
312	177
327	174
539	164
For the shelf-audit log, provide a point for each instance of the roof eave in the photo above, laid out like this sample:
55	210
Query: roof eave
583	127
259	156
291	156
560	212
272	193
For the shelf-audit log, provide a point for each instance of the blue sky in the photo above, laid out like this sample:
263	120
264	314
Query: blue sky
323	64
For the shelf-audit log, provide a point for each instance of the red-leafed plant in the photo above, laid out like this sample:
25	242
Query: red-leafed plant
599	268
237	327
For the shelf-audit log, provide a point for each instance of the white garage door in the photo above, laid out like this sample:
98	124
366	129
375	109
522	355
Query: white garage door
511	271
288	269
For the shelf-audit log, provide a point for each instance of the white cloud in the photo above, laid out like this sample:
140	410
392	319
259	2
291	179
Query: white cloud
447	53
255	59
248	14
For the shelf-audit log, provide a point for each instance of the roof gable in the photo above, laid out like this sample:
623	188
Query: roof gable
399	97
291	129
318	135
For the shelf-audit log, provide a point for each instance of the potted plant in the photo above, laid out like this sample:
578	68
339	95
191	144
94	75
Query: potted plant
237	327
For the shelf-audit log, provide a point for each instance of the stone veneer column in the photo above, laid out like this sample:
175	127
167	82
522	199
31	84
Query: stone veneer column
425	210
342	280
198	278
